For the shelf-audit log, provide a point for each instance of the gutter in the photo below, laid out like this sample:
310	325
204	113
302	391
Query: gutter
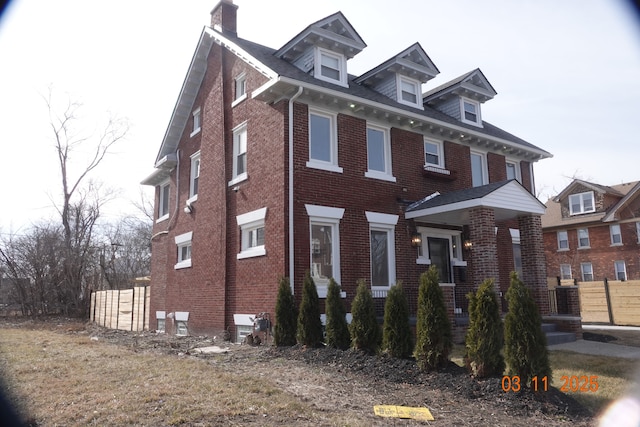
291	240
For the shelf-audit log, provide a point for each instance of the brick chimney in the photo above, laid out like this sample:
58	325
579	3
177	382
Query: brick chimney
223	17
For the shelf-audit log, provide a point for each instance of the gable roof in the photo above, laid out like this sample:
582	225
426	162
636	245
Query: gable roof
412	62
333	32
602	189
473	85
508	199
632	190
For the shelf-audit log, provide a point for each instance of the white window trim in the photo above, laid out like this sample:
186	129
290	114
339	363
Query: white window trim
578	236
483	163
195	157
387	174
247	222
440	146
638	231
332	165
582	210
161	200
418	86
624	269
241	128
328	216
384	222
570	272
238	99
456	258
558	240
183	240
476	104
582	265
516	165
196	113
619	233
342	66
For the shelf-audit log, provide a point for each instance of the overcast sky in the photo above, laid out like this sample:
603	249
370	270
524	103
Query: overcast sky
567	75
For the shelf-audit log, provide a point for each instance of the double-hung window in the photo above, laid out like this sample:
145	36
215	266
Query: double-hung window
587	272
183	244
409	91
382	246
252	233
239	154
163	201
478	169
197	116
621	270
378	154
194	177
583	238
563	241
330	67
616	234
433	153
470	111
324	245
323	141
581	203
240	89
565	271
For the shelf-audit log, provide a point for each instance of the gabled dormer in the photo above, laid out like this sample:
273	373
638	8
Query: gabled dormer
462	97
323	48
401	77
582	197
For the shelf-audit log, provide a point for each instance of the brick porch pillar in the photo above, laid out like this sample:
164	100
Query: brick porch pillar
534	268
484	249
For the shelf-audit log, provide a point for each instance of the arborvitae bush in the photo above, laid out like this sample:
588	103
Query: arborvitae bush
337	330
309	332
485	337
525	350
396	332
365	332
286	316
433	329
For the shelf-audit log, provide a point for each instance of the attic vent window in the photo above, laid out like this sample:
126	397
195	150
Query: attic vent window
470	112
408	91
330	67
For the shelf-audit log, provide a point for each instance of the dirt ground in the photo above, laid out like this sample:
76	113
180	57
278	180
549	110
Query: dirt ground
351	382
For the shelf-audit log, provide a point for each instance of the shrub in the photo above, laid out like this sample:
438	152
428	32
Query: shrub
309	331
525	350
337	330
396	332
286	316
433	329
485	337
365	332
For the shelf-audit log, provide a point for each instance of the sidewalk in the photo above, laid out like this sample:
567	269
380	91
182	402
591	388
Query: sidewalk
599	349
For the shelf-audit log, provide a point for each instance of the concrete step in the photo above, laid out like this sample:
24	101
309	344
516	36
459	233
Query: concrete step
560	337
548	327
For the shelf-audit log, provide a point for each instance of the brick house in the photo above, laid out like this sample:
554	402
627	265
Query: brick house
277	161
592	232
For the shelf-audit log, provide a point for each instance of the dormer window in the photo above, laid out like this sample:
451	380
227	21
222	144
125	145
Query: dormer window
470	111
330	67
581	203
408	91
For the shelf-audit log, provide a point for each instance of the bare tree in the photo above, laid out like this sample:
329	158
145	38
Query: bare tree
81	200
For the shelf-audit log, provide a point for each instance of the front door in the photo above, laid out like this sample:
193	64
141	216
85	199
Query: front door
440	257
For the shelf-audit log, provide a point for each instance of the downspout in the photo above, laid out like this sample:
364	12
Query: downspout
291	239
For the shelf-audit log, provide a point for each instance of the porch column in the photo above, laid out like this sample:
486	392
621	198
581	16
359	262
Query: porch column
484	249
534	267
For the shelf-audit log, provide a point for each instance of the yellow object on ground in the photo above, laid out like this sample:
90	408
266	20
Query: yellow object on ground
391	411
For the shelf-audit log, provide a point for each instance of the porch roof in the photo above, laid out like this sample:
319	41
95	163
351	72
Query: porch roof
508	199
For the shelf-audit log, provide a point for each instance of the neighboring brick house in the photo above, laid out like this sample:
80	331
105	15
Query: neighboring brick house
277	162
592	232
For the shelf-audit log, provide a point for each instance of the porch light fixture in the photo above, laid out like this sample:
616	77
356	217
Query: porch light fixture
416	240
467	244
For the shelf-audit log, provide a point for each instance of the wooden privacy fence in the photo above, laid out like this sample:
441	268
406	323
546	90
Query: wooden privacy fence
126	309
614	302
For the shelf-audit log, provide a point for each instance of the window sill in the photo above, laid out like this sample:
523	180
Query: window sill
423	261
458	263
323	290
380	175
192	199
239	100
616	244
162	218
183	264
195	132
252	252
437	172
238	179
584	247
324	166
563	250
